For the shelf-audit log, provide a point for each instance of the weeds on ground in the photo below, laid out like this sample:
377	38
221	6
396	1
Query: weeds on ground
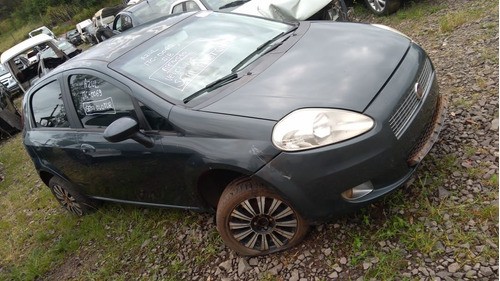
38	238
451	21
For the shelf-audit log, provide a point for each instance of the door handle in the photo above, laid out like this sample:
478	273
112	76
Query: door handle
87	148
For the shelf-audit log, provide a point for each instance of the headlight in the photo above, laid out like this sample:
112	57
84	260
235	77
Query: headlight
314	127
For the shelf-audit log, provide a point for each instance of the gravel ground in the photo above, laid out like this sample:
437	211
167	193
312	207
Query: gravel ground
469	78
466	60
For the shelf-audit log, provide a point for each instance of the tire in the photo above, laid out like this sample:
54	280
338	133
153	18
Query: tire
383	7
343	11
70	199
252	230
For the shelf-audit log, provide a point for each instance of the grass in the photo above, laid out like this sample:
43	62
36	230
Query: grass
416	224
416	11
36	235
412	16
10	39
450	22
409	17
453	20
417	236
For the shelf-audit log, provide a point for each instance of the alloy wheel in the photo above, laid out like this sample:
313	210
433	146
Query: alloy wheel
263	223
66	200
377	5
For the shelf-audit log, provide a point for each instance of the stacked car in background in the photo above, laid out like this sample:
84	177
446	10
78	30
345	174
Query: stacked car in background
10	119
74	37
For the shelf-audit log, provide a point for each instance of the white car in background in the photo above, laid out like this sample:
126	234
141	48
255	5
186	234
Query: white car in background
284	10
24	72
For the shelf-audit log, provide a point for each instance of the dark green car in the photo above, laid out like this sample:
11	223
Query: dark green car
272	126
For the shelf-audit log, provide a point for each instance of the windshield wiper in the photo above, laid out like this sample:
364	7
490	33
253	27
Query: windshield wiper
264	46
233	4
213	85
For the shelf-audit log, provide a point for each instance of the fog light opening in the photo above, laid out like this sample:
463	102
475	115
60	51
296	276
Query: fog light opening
358	191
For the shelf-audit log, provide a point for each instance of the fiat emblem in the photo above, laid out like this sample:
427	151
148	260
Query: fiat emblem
419	91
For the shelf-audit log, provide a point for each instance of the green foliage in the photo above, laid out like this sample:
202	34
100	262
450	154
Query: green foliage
451	21
61	13
83	14
417	11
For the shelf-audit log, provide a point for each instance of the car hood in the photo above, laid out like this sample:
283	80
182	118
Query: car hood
334	65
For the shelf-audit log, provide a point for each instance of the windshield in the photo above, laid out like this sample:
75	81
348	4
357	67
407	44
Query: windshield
184	59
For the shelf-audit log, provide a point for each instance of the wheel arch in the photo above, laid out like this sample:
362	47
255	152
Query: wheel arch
45	177
212	183
46	174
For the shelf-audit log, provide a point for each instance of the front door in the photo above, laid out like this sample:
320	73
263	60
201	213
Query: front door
127	170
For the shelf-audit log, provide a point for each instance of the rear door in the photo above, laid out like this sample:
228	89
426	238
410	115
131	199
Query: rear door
50	137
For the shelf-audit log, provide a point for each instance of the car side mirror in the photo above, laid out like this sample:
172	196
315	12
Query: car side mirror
126	128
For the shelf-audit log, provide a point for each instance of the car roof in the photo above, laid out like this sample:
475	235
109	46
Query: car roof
24	46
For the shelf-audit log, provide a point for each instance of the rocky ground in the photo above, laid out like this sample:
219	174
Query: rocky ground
468	75
466	60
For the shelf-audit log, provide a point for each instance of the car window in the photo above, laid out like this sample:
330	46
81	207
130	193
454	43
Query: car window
155	120
48	107
123	23
97	102
188	6
118	23
177	9
192	6
216	4
126	22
